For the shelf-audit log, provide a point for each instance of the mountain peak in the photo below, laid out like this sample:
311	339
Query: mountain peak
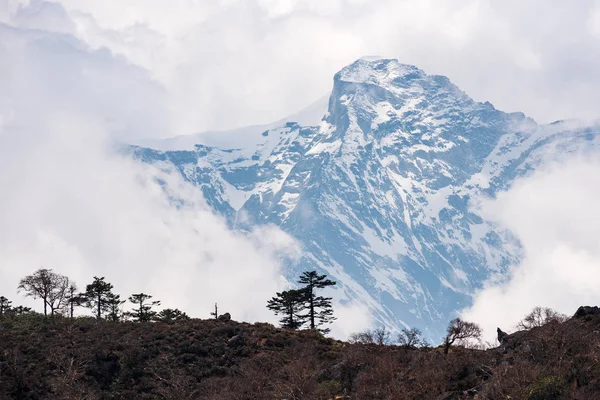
378	71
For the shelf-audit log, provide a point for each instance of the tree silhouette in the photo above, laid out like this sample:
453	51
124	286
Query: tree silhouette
143	312
379	336
5	305
113	307
73	298
47	285
540	316
319	308
216	312
290	304
170	315
409	338
97	295
460	330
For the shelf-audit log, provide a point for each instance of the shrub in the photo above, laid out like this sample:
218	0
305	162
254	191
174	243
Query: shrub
547	388
408	338
378	336
540	316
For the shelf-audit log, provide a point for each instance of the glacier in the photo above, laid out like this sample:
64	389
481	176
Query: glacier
381	189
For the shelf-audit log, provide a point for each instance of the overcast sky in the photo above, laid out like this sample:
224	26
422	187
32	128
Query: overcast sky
76	75
219	64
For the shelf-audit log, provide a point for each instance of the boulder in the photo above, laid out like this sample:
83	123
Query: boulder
224	317
502	336
585	311
236	341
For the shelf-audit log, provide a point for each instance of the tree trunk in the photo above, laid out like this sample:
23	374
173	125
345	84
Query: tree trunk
99	307
447	345
312	305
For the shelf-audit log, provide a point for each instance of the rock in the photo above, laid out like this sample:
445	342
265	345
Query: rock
585	311
502	336
224	317
235	341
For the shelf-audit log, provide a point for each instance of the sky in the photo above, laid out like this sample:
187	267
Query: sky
79	76
220	64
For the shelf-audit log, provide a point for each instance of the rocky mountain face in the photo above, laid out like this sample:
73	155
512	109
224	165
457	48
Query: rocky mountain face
382	193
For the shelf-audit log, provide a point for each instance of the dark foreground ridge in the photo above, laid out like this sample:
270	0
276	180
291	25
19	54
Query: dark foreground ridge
82	358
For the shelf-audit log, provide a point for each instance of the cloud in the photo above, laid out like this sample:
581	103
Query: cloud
351	318
73	202
81	209
232	63
554	213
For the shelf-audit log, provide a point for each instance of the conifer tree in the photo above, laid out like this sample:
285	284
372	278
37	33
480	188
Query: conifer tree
73	298
97	295
170	315
113	306
290	304
319	308
5	305
143	312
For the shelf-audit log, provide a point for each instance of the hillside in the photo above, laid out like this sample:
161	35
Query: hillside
59	358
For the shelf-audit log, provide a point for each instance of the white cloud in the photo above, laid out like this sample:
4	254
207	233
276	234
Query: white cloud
232	63
80	209
555	215
74	203
351	318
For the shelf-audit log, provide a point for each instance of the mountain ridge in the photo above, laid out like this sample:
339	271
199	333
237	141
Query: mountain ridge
381	194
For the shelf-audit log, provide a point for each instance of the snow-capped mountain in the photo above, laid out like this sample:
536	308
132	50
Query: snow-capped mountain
381	192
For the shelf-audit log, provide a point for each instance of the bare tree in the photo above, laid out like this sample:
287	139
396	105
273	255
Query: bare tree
459	330
216	312
364	337
382	336
408	338
47	285
540	316
379	336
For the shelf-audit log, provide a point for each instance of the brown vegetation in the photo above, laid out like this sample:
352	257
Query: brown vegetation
85	358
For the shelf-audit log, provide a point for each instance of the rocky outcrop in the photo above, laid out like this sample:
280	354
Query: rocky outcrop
586	311
502	336
224	317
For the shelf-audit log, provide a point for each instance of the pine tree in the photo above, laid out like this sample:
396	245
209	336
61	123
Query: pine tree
170	315
113	306
5	305
143	312
97	294
290	304
319	308
73	299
